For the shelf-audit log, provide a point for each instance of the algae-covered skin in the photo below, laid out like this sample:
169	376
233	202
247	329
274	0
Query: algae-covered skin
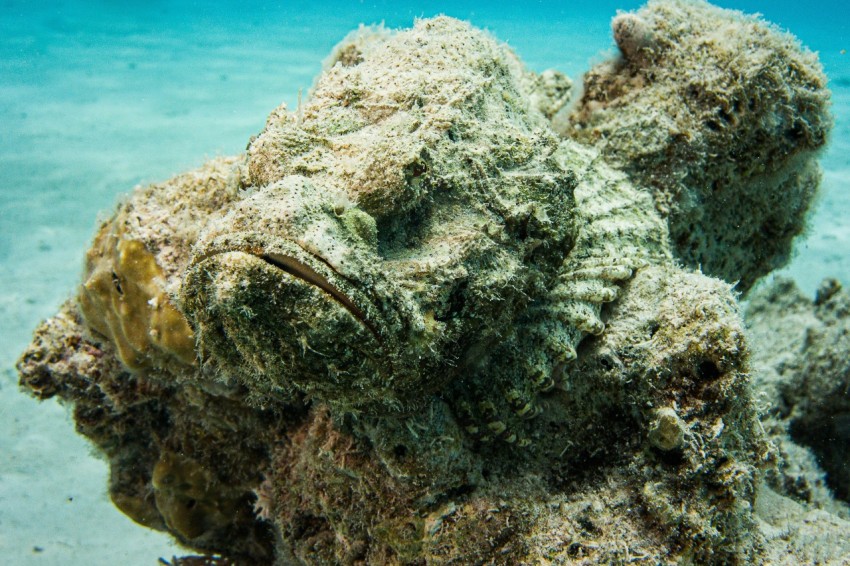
181	459
592	487
414	325
722	116
399	228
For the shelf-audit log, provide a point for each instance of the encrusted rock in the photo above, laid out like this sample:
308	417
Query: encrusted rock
721	115
803	362
412	324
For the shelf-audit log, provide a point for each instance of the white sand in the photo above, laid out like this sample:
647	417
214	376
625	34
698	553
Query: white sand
96	98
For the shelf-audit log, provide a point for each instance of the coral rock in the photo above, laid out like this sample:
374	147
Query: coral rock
719	114
414	325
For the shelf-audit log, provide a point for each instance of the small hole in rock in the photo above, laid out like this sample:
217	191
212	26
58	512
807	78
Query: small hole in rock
400	451
653	328
708	370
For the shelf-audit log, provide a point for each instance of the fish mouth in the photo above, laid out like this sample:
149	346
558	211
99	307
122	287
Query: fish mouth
307	274
282	321
295	261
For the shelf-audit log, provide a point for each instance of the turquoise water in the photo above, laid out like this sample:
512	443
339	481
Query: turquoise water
97	97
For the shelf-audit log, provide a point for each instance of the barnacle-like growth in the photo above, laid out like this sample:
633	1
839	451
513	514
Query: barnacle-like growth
721	115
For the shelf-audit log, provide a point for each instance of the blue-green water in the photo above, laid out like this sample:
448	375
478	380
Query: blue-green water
97	97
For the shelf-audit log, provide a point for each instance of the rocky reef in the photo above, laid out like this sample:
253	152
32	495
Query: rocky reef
803	370
800	353
441	313
721	116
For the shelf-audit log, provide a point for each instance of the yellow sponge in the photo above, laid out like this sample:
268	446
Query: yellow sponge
124	299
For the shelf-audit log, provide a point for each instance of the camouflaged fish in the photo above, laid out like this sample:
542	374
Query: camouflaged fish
414	229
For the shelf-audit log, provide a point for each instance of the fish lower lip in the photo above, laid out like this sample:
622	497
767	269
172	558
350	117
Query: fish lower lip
297	268
307	274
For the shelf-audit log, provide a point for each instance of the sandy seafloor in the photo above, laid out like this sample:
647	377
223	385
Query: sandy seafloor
97	97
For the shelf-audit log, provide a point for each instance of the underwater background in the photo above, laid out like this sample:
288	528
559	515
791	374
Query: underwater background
98	97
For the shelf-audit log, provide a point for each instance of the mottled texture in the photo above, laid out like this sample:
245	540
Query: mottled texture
423	329
803	358
409	230
721	116
800	361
